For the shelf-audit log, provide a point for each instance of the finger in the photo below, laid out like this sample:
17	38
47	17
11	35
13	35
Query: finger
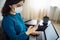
30	27
35	28
37	32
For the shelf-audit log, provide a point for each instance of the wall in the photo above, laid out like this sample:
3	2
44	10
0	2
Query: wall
1	5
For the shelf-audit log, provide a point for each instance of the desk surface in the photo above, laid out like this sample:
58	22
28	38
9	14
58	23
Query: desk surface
35	22
32	22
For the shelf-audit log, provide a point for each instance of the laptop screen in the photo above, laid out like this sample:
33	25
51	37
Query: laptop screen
51	33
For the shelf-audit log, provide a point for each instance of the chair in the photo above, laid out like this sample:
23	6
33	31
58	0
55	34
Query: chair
2	33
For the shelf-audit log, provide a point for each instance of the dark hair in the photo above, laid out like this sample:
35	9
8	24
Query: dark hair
6	9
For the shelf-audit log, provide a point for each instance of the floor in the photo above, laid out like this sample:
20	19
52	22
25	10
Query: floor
57	26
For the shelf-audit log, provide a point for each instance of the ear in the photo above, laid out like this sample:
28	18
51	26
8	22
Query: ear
10	6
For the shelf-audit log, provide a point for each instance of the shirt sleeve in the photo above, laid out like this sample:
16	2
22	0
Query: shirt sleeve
8	26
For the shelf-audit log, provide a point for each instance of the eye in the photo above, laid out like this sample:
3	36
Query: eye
18	5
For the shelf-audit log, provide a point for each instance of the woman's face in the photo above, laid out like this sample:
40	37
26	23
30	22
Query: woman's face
16	5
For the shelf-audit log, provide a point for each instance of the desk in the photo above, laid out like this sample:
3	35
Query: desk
35	22
31	23
49	33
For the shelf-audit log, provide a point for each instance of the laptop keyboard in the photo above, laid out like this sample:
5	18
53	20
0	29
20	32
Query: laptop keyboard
39	37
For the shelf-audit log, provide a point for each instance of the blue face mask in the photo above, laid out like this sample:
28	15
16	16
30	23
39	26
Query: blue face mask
18	9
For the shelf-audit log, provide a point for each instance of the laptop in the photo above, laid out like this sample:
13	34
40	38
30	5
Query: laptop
49	34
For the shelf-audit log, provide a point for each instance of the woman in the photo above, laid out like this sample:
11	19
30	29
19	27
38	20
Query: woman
12	22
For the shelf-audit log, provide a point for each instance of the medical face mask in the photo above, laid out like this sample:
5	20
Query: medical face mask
18	9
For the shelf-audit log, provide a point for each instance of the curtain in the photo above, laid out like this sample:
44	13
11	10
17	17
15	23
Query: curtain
53	12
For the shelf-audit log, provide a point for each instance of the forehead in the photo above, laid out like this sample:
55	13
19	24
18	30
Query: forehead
19	3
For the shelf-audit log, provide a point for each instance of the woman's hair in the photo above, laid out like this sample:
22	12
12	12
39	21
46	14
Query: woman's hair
6	9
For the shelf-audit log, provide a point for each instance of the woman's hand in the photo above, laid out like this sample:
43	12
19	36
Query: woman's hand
35	33
32	30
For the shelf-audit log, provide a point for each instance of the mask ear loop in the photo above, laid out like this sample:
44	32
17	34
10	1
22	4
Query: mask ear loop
21	9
